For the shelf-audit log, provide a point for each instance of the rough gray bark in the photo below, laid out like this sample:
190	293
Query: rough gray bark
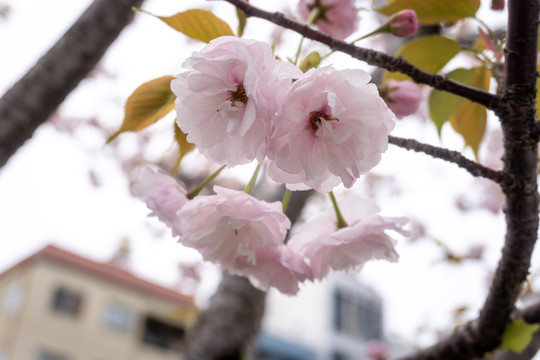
229	325
31	101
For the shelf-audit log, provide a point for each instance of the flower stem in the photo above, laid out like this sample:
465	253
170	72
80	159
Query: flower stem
313	16
251	183
198	189
340	220
286	198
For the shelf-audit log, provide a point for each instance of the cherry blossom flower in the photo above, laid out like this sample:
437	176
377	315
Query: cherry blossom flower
329	248
403	23
334	127
244	235
162	194
402	97
376	350
228	97
337	18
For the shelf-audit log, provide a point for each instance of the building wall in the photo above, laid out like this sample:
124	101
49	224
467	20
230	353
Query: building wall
36	327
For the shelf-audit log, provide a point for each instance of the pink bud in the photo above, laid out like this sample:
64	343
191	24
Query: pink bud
404	23
402	97
497	4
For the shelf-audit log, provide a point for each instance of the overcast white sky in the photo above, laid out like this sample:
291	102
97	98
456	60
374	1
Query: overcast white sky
46	195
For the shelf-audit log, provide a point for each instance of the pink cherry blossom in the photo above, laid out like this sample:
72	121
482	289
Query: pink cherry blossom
376	350
334	127
244	235
403	23
337	18
329	248
162	194
402	97
228	97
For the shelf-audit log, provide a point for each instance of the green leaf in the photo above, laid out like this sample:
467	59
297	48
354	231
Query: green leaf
147	104
184	146
433	11
198	24
311	61
518	335
430	53
467	118
242	20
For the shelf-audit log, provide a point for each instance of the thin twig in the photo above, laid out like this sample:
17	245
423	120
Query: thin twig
455	157
373	57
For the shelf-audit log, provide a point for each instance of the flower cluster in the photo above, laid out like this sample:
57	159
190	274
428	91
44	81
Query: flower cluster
246	235
237	103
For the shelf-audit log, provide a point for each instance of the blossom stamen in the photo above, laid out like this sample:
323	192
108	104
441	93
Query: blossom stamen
316	116
238	95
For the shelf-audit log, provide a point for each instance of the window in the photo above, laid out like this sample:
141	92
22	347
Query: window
357	315
163	335
119	318
46	355
13	299
67	301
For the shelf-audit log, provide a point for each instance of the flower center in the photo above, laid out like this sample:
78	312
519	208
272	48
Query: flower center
316	117
238	95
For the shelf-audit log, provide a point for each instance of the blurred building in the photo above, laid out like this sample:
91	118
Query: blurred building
332	320
56	305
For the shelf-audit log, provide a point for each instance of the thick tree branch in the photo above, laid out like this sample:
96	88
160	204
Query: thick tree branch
517	111
373	57
34	98
450	156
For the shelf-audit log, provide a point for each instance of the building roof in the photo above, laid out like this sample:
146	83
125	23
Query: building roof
106	272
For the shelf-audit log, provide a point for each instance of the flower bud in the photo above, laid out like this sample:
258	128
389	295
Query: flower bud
402	97
403	23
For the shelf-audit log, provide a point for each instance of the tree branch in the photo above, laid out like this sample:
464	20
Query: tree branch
455	157
31	101
373	57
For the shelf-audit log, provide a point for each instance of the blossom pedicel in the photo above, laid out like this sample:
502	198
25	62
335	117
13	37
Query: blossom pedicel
228	97
333	127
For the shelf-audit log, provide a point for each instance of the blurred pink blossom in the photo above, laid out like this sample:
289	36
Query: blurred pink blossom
337	18
403	23
244	235
329	248
376	350
402	97
333	127
228	97
162	194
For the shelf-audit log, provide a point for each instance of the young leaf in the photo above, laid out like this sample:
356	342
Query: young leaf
242	20
198	24
430	53
518	335
184	146
433	11
311	61
147	104
467	118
